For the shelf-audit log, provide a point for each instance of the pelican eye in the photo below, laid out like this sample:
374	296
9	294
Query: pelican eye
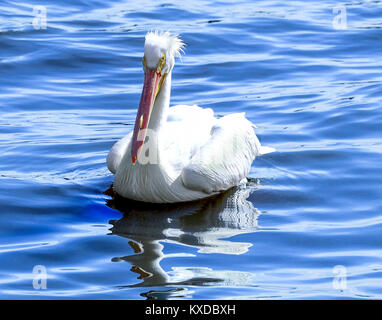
161	63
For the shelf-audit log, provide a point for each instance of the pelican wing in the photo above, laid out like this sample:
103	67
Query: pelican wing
225	159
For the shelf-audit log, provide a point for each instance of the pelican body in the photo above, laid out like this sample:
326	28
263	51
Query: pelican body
182	153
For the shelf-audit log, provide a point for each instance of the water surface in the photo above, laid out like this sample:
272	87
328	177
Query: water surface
69	91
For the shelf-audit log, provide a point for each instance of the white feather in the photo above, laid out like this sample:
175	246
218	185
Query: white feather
226	158
117	152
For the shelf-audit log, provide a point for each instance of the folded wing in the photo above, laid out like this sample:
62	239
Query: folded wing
225	160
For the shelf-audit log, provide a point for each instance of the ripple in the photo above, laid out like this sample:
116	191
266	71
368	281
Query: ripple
25	246
71	90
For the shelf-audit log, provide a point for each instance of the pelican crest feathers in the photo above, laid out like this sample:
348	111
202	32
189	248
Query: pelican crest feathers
171	42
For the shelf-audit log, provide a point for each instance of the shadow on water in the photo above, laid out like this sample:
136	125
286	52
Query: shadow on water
205	225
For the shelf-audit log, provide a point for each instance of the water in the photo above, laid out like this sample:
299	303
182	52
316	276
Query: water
311	219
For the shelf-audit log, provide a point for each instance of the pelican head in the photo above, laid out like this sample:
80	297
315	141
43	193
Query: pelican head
159	58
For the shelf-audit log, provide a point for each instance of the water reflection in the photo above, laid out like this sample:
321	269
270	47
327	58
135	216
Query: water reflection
206	225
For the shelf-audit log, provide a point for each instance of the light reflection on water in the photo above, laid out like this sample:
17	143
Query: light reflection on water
70	91
204	225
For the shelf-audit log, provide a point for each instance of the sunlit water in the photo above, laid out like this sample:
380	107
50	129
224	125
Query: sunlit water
311	218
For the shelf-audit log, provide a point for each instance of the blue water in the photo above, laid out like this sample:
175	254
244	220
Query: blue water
313	208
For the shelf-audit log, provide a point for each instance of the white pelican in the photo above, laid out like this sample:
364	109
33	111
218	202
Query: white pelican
181	153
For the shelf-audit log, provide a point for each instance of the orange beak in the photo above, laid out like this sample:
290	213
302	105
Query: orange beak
149	93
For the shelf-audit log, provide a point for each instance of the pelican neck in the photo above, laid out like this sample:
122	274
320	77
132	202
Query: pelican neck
162	103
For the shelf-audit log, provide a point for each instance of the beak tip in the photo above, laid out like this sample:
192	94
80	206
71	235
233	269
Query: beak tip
134	159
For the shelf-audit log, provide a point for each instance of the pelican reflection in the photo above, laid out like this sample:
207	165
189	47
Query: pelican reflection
206	225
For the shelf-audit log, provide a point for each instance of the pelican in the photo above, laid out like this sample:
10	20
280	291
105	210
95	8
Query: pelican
182	153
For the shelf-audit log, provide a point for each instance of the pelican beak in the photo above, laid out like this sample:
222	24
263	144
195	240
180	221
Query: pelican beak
152	85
